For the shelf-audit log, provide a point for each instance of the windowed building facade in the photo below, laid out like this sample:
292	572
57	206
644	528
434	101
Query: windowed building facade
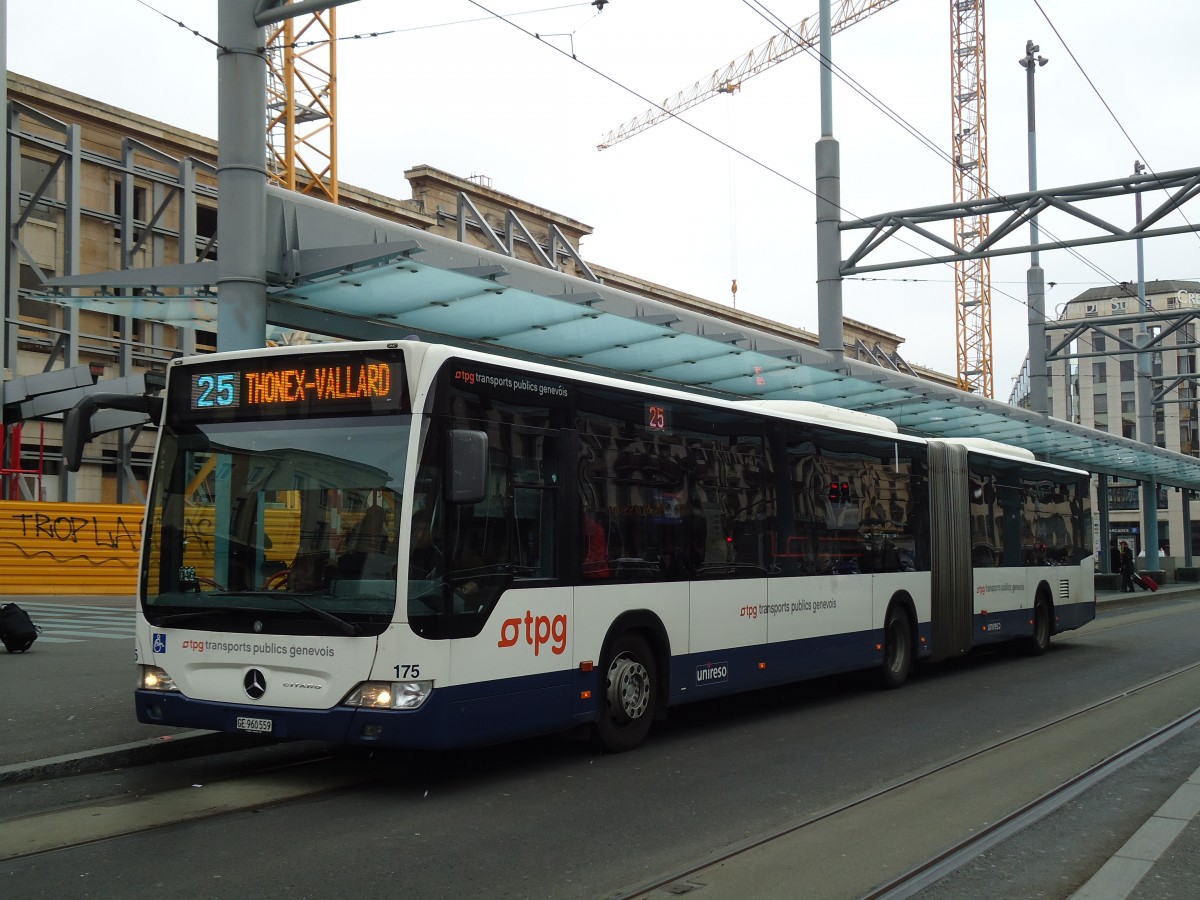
1097	387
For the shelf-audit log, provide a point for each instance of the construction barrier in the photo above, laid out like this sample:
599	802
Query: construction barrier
92	548
69	548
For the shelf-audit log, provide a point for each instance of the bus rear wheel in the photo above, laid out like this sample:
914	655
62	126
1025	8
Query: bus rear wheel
1039	642
627	696
897	648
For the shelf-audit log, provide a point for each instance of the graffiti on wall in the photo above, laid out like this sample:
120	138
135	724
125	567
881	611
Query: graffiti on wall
62	548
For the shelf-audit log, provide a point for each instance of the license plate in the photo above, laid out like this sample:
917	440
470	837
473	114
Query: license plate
258	726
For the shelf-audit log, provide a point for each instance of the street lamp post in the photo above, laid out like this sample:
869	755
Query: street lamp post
1145	394
1035	281
829	209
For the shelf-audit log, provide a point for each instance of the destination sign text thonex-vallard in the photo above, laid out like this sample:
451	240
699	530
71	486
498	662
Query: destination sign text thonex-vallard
321	384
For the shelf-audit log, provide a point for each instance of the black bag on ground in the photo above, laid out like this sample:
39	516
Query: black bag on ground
17	630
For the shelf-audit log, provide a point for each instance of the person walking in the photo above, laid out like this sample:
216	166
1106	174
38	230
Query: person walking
1127	569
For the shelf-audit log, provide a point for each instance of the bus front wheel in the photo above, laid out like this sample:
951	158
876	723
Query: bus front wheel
897	648
627	695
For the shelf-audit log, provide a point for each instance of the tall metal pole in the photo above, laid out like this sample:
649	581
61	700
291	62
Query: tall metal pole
241	178
829	208
8	367
1145	395
1035	280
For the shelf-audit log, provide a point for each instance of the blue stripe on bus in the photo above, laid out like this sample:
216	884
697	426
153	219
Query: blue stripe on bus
698	676
457	716
1000	626
493	711
996	627
1073	615
488	712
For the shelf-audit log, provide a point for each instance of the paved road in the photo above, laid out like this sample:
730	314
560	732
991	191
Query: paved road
70	623
72	712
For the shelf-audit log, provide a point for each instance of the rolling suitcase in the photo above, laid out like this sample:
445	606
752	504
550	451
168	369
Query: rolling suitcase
17	630
1147	582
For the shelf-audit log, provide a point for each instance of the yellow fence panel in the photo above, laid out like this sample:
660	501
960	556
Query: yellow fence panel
92	548
69	548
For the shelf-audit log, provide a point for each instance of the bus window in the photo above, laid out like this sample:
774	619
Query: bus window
856	505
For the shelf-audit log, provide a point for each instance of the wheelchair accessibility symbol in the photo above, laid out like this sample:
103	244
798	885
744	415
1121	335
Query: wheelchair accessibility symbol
160	643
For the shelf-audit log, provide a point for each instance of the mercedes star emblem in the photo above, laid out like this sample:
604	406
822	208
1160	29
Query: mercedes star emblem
255	684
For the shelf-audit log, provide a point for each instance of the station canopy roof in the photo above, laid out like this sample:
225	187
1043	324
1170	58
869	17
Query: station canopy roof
345	274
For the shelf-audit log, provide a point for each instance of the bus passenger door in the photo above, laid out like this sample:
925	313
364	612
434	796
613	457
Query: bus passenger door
728	631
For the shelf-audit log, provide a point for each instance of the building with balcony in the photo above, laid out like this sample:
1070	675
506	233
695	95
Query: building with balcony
1096	386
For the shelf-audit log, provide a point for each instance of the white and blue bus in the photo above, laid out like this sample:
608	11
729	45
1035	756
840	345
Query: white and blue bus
414	545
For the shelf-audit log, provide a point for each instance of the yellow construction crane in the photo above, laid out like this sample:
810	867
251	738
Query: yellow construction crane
302	104
968	68
725	81
968	130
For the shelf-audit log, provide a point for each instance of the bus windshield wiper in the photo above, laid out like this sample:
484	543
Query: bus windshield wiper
341	624
195	614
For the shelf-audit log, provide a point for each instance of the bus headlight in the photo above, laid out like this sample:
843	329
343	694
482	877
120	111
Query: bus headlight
152	678
390	694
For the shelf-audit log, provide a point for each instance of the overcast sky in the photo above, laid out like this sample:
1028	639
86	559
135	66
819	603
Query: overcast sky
673	205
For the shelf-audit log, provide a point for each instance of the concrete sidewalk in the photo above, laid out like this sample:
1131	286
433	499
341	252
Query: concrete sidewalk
68	706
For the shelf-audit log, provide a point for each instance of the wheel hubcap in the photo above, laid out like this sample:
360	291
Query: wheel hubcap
628	688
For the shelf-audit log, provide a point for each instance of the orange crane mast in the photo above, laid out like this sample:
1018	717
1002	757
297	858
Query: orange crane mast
968	129
302	104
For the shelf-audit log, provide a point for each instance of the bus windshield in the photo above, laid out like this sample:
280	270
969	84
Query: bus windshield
286	526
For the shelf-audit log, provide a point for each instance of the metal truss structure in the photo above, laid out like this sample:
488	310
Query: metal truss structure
155	220
1182	185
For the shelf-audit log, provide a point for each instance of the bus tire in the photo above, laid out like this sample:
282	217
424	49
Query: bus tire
627	694
897	647
1039	642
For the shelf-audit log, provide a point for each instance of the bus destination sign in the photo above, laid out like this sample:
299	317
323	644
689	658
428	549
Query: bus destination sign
329	384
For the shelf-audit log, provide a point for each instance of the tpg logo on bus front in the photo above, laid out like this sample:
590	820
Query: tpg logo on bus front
538	630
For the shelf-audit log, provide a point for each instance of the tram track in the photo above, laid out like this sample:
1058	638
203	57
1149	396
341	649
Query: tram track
87	822
953	858
266	786
763	852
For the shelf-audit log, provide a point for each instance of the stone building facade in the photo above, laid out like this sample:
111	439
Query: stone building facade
96	188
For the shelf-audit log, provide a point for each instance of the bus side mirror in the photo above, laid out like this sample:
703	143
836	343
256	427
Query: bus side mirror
466	465
79	427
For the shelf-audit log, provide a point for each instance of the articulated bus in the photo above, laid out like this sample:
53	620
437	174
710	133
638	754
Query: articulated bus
413	545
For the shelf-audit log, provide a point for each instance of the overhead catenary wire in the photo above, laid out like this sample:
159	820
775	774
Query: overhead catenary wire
764	13
1111	280
882	107
1096	91
366	35
776	22
696	128
1108	279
